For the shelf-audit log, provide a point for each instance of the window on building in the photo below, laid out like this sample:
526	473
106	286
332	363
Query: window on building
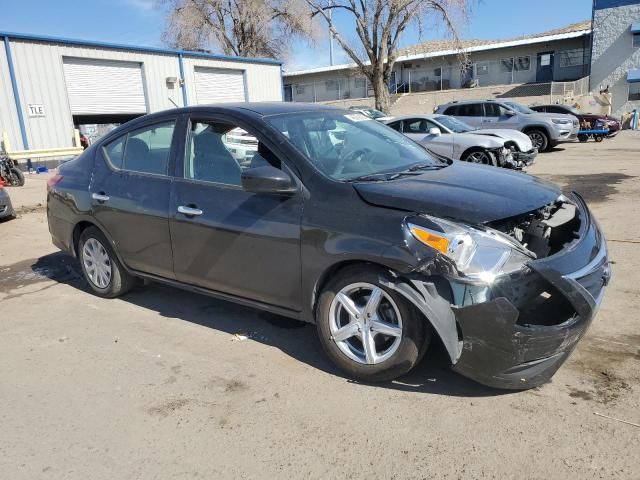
572	58
300	89
506	65
634	91
332	85
437	72
636	40
361	82
523	63
482	68
145	150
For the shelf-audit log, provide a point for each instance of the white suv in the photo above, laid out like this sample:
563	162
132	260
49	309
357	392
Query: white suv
546	130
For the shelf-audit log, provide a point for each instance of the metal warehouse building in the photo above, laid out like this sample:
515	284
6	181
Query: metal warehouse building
50	86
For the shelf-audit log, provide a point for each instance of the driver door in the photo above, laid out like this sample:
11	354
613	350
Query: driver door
224	238
418	129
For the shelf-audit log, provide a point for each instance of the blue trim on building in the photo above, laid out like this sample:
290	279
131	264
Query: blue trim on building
133	48
635	27
185	99
633	76
16	93
602	4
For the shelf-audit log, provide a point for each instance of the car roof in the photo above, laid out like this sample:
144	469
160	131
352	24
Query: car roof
261	108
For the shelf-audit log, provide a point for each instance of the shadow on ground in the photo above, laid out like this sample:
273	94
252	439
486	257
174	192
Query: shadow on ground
294	338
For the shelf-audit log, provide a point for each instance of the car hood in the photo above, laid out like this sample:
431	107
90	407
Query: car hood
464	192
523	141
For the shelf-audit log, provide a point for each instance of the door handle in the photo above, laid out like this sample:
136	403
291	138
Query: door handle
101	197
189	211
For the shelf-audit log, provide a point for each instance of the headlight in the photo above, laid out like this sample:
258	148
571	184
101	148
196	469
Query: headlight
561	121
480	255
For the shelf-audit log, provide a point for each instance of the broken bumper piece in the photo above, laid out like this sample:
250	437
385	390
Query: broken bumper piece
520	330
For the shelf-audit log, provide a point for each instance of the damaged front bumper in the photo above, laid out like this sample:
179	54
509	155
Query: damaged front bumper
525	159
518	331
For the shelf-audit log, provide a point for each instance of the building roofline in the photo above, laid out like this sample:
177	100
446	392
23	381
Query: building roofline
134	48
441	53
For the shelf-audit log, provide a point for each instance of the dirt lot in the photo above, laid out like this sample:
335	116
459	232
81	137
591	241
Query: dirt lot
156	385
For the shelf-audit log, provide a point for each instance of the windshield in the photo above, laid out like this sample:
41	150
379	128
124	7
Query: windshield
453	124
349	145
518	107
573	110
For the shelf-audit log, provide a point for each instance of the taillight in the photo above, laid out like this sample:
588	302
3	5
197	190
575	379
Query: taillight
53	181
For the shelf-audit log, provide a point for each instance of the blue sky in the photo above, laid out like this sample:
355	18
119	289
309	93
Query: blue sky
141	22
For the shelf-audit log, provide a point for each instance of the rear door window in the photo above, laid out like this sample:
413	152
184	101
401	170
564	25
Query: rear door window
145	150
470	110
452	110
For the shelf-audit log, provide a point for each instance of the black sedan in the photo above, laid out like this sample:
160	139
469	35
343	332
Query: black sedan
335	219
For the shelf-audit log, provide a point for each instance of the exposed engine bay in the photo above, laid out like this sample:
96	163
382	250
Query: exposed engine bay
544	231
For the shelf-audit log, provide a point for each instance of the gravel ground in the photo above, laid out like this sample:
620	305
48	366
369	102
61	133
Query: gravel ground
157	384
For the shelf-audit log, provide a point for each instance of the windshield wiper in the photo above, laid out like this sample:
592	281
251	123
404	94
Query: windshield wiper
423	167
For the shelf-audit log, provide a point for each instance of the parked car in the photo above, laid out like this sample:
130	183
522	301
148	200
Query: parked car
613	124
545	130
6	208
452	138
371	113
373	239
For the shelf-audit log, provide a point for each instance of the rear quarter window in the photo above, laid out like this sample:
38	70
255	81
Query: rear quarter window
451	110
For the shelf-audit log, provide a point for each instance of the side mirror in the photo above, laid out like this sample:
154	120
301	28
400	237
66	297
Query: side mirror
267	180
435	132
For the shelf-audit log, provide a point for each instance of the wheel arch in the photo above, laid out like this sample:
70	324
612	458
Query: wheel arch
431	297
470	150
81	226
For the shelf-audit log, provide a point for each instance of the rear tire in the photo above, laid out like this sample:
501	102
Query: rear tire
101	268
539	139
368	330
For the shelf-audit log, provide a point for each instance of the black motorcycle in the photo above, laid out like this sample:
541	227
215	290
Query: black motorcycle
10	173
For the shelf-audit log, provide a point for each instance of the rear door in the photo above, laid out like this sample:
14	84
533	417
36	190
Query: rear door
470	113
224	238
130	195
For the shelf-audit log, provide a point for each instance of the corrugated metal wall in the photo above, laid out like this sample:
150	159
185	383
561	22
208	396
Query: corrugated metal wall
40	77
8	114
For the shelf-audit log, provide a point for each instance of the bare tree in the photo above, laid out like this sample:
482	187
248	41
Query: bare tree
245	28
379	25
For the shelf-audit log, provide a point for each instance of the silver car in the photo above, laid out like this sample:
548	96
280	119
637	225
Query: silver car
546	130
454	139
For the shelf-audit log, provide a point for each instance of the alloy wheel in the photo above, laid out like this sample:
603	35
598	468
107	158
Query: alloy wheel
365	323
537	140
97	263
479	157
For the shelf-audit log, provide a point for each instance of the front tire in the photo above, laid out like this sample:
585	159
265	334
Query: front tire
369	331
17	177
539	139
101	268
481	156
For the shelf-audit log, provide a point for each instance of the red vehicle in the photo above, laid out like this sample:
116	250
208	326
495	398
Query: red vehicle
613	124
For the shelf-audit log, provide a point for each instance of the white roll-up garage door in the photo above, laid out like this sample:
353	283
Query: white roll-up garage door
97	86
219	85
